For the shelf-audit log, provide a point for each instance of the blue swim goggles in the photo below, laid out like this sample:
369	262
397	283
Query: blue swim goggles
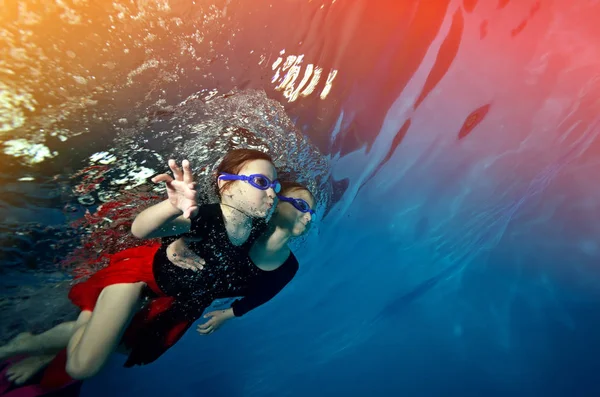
298	203
259	181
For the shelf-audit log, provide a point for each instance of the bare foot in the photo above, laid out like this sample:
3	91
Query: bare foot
15	346
22	371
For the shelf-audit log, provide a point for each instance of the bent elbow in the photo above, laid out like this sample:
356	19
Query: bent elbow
137	232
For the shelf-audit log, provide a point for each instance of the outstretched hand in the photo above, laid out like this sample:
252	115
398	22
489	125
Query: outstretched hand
180	188
217	318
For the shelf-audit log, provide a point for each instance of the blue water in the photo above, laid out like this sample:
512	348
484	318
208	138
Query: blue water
457	244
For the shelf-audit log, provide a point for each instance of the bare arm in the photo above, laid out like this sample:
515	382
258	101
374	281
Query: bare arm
160	220
172	216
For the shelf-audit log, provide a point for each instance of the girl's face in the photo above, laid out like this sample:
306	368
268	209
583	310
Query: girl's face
247	198
296	221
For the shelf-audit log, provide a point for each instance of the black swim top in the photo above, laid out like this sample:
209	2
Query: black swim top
228	271
219	253
261	286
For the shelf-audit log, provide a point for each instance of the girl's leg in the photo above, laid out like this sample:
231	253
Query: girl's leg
41	349
49	342
23	370
97	336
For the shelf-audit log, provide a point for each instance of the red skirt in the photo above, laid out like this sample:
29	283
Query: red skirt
128	266
155	320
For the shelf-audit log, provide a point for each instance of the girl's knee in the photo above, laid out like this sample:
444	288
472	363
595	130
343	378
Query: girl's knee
81	368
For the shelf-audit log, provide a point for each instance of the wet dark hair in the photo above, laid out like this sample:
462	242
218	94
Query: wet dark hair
234	161
290	186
